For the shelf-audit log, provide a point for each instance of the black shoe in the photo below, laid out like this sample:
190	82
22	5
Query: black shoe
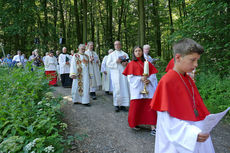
87	105
94	97
107	92
123	108
117	109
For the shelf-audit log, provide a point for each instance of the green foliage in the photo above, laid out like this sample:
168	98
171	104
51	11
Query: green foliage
214	91
208	23
29	114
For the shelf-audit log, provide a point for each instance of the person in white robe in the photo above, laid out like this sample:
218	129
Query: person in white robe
18	59
180	136
146	49
106	75
94	71
64	63
79	72
117	62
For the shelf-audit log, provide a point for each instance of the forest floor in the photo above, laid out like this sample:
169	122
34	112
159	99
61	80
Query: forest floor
102	130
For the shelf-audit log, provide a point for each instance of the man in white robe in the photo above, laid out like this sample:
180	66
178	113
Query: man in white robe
146	49
64	62
94	71
106	75
79	71
117	62
18	59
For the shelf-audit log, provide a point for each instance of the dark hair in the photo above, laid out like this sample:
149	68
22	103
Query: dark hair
134	57
187	46
51	51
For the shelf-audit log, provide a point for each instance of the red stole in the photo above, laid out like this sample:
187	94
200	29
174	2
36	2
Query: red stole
170	65
137	68
172	96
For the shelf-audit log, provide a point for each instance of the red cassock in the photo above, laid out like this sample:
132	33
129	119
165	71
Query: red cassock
173	96
170	65
52	76
140	112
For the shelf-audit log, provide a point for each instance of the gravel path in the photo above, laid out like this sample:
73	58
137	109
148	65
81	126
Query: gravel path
104	131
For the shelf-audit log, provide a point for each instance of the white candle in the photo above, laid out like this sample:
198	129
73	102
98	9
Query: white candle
146	67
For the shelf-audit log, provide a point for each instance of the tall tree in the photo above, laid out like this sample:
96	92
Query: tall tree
109	20
157	27
141	13
84	21
77	20
120	15
170	16
63	34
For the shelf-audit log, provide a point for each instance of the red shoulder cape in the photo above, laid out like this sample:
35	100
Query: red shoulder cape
137	68
170	65
172	96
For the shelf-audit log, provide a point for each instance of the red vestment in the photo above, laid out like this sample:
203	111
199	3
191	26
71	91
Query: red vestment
170	65
52	76
140	112
137	68
173	96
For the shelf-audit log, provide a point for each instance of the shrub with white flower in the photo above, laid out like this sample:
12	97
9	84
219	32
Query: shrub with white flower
49	149
63	126
40	102
48	104
30	145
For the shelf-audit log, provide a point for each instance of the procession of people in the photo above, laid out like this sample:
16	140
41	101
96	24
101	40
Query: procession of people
172	108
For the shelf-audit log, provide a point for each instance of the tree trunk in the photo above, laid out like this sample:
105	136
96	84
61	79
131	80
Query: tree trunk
84	21
184	7
78	27
120	19
63	34
55	24
92	21
45	29
141	13
109	31
170	16
157	27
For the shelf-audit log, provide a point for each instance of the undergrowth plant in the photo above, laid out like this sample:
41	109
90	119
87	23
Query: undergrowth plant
29	113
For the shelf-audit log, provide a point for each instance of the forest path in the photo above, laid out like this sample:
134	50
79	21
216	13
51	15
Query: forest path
105	131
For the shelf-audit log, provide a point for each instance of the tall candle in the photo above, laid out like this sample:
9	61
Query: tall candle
146	67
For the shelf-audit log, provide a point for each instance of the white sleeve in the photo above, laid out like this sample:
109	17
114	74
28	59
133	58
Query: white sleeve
103	65
46	62
134	81
61	60
180	133
73	67
153	80
14	58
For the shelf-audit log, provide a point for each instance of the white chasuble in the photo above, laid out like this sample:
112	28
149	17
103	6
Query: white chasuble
80	87
62	59
119	81
179	136
94	71
106	78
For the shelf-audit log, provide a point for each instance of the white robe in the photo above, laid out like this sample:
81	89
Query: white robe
76	96
94	71
50	63
178	136
64	68
136	86
106	78
119	81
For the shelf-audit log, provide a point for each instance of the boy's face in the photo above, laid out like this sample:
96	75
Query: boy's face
187	63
